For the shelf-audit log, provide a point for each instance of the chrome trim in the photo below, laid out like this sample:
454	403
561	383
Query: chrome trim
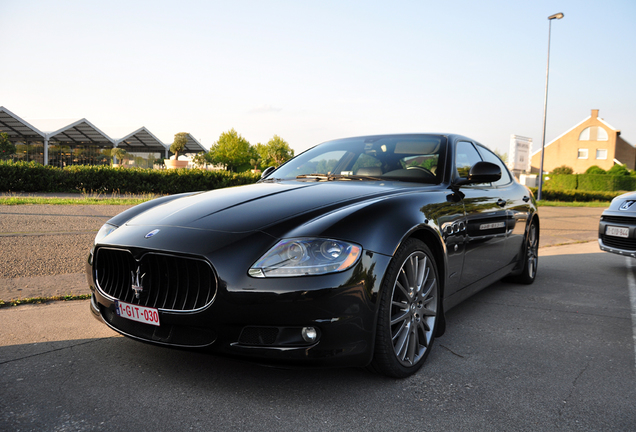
187	311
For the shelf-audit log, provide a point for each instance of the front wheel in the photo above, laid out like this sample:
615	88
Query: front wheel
409	311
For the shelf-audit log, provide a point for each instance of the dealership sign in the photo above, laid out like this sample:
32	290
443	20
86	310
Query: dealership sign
519	153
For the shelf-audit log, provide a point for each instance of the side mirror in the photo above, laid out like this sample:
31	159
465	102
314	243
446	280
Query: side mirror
267	172
481	172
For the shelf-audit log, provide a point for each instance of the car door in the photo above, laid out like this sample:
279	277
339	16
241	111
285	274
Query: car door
486	220
517	207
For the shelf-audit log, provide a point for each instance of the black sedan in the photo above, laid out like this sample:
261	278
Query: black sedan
617	228
349	254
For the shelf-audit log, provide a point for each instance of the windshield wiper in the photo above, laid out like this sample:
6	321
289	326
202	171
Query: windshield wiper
331	177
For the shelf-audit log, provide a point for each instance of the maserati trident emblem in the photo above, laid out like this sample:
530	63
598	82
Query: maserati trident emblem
626	205
137	287
151	233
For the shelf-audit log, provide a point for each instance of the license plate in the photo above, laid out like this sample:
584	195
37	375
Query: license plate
617	231
138	313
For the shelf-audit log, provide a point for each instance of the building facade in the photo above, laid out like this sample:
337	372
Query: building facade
591	142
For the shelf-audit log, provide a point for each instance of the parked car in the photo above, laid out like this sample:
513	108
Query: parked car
349	254
617	227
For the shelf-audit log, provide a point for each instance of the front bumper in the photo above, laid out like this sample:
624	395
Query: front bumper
625	246
263	319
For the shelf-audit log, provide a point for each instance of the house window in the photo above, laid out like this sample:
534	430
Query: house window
593	133
601	154
582	153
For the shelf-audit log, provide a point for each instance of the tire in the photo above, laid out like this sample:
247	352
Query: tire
530	254
409	311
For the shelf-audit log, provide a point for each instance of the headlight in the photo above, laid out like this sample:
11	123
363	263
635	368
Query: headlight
104	231
305	257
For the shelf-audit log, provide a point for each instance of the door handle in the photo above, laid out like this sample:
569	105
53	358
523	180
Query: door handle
501	202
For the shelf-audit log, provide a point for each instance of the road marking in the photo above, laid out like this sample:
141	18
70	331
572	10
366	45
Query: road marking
631	282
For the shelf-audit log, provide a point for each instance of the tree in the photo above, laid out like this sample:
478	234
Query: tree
563	169
119	154
502	156
275	152
200	159
179	144
256	163
6	147
231	150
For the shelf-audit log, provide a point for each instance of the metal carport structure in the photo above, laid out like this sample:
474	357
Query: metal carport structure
78	137
79	133
142	140
18	129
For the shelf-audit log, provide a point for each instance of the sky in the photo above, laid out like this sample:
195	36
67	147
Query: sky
314	71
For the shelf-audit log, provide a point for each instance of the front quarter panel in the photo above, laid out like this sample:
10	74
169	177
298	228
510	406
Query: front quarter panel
381	225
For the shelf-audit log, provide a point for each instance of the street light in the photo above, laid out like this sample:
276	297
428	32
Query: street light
545	101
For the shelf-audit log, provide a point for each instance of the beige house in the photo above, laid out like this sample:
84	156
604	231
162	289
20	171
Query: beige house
591	142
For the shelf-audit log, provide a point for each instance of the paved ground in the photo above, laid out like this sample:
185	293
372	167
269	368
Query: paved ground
555	355
44	247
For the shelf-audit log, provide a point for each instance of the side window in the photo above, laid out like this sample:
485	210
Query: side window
491	157
466	156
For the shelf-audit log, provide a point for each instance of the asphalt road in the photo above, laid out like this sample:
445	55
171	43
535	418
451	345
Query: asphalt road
555	355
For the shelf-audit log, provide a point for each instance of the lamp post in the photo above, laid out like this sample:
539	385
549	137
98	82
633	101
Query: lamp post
545	101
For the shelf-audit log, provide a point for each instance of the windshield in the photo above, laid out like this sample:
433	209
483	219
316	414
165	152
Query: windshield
394	157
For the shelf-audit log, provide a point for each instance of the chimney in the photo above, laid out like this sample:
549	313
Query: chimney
594	113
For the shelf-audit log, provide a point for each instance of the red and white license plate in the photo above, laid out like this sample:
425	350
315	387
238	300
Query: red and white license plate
617	231
138	313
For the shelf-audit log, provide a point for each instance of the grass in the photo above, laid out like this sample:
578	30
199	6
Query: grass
602	204
39	300
84	199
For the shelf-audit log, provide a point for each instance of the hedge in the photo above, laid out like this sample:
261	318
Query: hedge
576	195
562	181
33	177
605	182
591	182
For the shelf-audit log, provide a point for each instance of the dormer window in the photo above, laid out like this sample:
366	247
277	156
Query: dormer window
593	133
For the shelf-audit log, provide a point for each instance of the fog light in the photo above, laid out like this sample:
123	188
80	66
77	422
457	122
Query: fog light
309	334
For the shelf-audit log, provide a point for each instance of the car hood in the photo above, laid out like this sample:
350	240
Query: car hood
254	207
625	203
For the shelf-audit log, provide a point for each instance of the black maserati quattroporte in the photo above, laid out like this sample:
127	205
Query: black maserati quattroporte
348	255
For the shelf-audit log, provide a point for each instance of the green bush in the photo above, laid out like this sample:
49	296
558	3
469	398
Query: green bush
563	169
595	169
32	177
618	170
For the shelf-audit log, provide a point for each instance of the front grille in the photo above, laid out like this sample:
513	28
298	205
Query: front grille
619	219
167	281
628	244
